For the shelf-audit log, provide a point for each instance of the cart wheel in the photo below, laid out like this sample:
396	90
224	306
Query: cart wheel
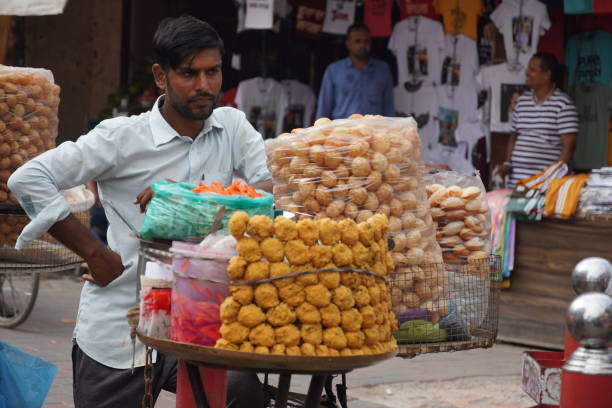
18	293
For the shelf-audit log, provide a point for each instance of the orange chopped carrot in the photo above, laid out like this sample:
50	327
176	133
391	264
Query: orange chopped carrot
236	188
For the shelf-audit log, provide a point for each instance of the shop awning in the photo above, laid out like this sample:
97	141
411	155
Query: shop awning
31	7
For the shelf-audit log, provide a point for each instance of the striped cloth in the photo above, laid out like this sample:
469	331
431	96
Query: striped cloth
538	128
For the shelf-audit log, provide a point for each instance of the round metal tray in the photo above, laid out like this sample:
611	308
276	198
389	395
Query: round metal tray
263	363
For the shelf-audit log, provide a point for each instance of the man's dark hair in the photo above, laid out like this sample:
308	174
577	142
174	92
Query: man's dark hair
179	37
548	62
357	27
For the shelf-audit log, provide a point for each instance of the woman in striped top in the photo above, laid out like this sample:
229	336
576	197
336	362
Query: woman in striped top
544	122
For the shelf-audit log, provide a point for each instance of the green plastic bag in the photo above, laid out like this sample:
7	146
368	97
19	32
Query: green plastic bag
420	331
175	212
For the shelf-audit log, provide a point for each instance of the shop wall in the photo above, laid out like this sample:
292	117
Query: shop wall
82	47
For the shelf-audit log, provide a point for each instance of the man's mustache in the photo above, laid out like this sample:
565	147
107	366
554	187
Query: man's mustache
202	95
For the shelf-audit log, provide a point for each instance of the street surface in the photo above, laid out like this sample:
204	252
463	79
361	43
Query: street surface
475	378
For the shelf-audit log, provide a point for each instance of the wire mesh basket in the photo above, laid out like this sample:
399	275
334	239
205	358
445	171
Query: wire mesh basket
42	254
446	306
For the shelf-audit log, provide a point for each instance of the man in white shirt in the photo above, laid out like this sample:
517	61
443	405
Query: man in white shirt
183	138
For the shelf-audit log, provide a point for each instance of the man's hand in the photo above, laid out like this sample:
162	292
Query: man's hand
104	266
504	169
143	199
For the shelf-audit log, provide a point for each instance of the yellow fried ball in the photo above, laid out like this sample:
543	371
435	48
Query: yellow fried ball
320	255
350	279
272	249
368	316
334	338
329	234
262	350
355	340
343	297
347	352
322	350
224	344
293	351
297	252
284	229
262	335
281	315
247	347
288	335
349	234
238	224
351	320
260	227
278	349
331	280
361	256
257	271
307	231
330	315
362	296
366	233
251	316
343	256
312	333
248	248
307	278
242	294
292	294
266	295
236	267
318	295
278	269
228	310
308	314
234	332
308	349
374	294
371	335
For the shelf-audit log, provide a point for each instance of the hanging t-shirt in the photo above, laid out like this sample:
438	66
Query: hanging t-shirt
377	16
339	15
455	157
589	57
309	18
259	15
264	102
422	105
594	106
521	22
417	43
578	6
554	39
425	8
460	16
301	102
240	7
504	86
457	88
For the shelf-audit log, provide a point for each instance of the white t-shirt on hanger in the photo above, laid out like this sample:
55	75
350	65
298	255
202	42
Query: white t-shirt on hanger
504	86
339	15
301	102
418	43
281	9
263	100
259	15
422	105
456	157
458	89
521	22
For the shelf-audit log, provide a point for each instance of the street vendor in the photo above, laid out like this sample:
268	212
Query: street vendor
544	122
183	138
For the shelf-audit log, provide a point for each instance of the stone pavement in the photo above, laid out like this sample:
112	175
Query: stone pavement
475	378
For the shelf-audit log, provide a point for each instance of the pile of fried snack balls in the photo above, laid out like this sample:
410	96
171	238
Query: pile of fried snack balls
333	313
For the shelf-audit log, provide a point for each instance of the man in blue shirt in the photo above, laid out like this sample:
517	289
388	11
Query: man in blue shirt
357	84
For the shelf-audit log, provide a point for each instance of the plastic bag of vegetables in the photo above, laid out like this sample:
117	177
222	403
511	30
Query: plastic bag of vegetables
181	210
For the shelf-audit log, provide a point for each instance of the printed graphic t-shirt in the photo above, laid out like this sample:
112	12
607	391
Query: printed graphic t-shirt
521	22
417	43
460	16
504	87
301	102
259	15
263	100
339	15
589	57
422	105
425	8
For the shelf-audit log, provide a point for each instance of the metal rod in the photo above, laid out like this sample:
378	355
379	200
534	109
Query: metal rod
282	394
313	398
197	388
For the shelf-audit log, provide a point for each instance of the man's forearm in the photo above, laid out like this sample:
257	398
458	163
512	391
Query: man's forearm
567	151
265	185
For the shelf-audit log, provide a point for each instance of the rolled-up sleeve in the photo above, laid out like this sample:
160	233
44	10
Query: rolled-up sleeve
37	183
249	152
